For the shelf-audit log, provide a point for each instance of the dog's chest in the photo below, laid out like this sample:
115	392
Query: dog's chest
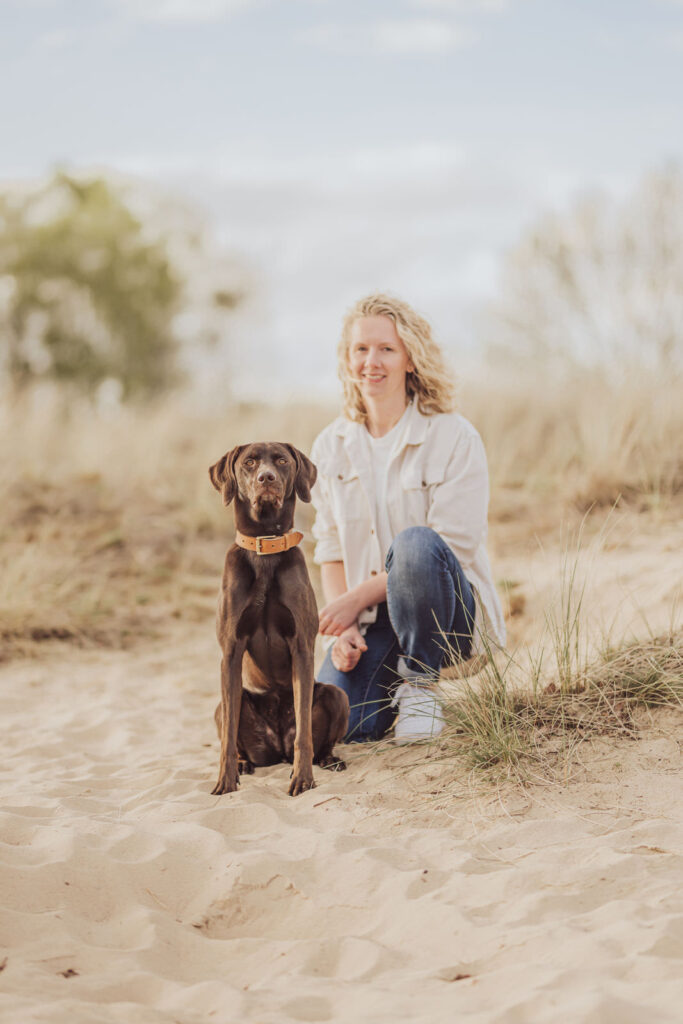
264	613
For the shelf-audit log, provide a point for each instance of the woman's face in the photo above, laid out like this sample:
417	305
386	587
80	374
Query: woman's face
378	359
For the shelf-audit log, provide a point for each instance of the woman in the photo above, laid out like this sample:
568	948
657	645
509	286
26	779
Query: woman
401	503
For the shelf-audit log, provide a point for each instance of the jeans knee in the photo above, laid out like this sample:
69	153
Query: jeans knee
412	546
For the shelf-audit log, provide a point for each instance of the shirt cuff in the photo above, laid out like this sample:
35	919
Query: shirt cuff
327	551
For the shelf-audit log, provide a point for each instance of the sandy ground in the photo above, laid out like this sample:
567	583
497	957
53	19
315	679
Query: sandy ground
131	894
128	893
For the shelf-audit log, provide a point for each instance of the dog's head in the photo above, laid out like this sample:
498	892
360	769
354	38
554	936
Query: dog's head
263	474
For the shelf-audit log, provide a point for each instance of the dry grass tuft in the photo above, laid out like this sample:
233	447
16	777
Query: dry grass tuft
534	732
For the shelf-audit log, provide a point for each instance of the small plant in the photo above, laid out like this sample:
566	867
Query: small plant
507	728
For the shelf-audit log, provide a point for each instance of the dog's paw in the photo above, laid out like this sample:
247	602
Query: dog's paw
300	783
245	767
226	784
332	763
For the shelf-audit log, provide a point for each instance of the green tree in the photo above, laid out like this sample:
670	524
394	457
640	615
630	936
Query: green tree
85	293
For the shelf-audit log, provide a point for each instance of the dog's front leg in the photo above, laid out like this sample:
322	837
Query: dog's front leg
302	682
231	699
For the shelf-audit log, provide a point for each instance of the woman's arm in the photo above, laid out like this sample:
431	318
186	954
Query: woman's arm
344	606
349	645
333	579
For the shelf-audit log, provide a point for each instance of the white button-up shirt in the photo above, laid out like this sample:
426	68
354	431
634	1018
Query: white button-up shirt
437	477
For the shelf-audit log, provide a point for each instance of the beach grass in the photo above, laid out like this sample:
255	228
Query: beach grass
530	731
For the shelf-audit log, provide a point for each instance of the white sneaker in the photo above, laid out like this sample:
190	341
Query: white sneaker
419	714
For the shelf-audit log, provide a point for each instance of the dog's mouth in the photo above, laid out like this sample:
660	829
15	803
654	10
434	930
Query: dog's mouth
268	497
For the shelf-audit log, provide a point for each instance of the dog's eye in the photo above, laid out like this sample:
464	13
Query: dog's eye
283	462
250	462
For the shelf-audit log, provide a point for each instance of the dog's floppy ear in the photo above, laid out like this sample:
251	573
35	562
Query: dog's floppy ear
306	473
222	474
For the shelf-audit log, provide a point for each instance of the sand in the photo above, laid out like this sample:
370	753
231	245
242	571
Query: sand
130	894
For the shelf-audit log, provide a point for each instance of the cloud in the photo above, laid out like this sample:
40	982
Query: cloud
58	39
398	37
420	36
184	11
675	41
464	6
381	166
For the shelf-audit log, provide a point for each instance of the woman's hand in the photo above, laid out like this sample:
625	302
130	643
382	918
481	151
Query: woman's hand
348	648
340	614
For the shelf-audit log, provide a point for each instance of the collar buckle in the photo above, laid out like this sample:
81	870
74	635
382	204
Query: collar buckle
261	539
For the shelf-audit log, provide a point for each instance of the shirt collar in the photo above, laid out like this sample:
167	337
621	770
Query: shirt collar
415	431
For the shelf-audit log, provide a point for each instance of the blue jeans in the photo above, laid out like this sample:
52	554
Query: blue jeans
428	596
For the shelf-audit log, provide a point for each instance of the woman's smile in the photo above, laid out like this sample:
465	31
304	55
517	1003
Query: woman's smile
377	356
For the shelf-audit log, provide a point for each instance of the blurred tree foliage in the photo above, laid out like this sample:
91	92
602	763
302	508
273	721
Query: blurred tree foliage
600	285
87	292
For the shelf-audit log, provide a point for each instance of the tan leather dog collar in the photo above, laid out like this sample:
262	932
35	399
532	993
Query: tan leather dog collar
269	544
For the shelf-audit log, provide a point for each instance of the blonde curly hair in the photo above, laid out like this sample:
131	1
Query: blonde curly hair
431	381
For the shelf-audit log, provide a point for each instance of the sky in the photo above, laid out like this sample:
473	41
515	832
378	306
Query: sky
336	147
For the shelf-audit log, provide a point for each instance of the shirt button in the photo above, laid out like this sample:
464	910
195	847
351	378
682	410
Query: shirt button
424	483
373	572
340	476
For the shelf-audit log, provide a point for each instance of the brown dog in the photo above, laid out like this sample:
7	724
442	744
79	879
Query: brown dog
271	709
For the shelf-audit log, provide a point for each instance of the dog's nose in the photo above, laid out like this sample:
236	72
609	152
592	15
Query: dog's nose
266	476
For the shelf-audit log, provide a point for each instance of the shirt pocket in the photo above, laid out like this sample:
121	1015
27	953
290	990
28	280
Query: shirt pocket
418	483
349	503
414	476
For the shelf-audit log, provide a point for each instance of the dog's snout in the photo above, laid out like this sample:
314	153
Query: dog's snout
266	476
